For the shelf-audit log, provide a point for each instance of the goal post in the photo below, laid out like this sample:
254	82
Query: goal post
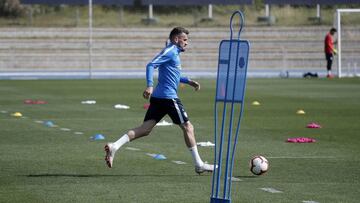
338	25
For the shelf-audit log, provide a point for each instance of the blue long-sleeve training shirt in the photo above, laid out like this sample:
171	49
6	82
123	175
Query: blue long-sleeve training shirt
169	65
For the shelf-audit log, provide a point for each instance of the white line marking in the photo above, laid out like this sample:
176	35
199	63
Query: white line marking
78	133
309	201
149	154
65	129
38	121
271	190
205	144
235	179
121	106
179	162
3	111
164	123
132	149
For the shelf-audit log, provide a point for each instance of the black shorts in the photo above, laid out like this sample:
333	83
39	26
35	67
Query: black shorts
329	59
160	107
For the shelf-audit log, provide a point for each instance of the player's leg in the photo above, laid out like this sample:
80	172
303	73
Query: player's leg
188	131
154	114
329	60
190	141
179	116
111	148
135	133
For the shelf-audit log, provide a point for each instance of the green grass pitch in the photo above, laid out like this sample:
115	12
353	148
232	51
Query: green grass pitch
42	164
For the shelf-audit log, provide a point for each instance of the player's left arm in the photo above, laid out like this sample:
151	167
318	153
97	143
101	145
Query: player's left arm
193	83
329	43
333	48
334	40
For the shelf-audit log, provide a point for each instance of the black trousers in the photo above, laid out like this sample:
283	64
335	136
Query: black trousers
329	59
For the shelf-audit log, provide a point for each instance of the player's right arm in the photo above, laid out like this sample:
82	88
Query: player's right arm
149	81
147	92
161	58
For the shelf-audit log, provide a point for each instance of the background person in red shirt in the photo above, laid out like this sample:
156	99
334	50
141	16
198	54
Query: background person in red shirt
330	51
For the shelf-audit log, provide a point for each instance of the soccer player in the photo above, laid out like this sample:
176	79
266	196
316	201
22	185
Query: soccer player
164	100
330	51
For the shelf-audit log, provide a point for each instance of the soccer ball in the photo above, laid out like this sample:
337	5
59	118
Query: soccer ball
259	165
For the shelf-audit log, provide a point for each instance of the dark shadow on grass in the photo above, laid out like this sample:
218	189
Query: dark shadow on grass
103	175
